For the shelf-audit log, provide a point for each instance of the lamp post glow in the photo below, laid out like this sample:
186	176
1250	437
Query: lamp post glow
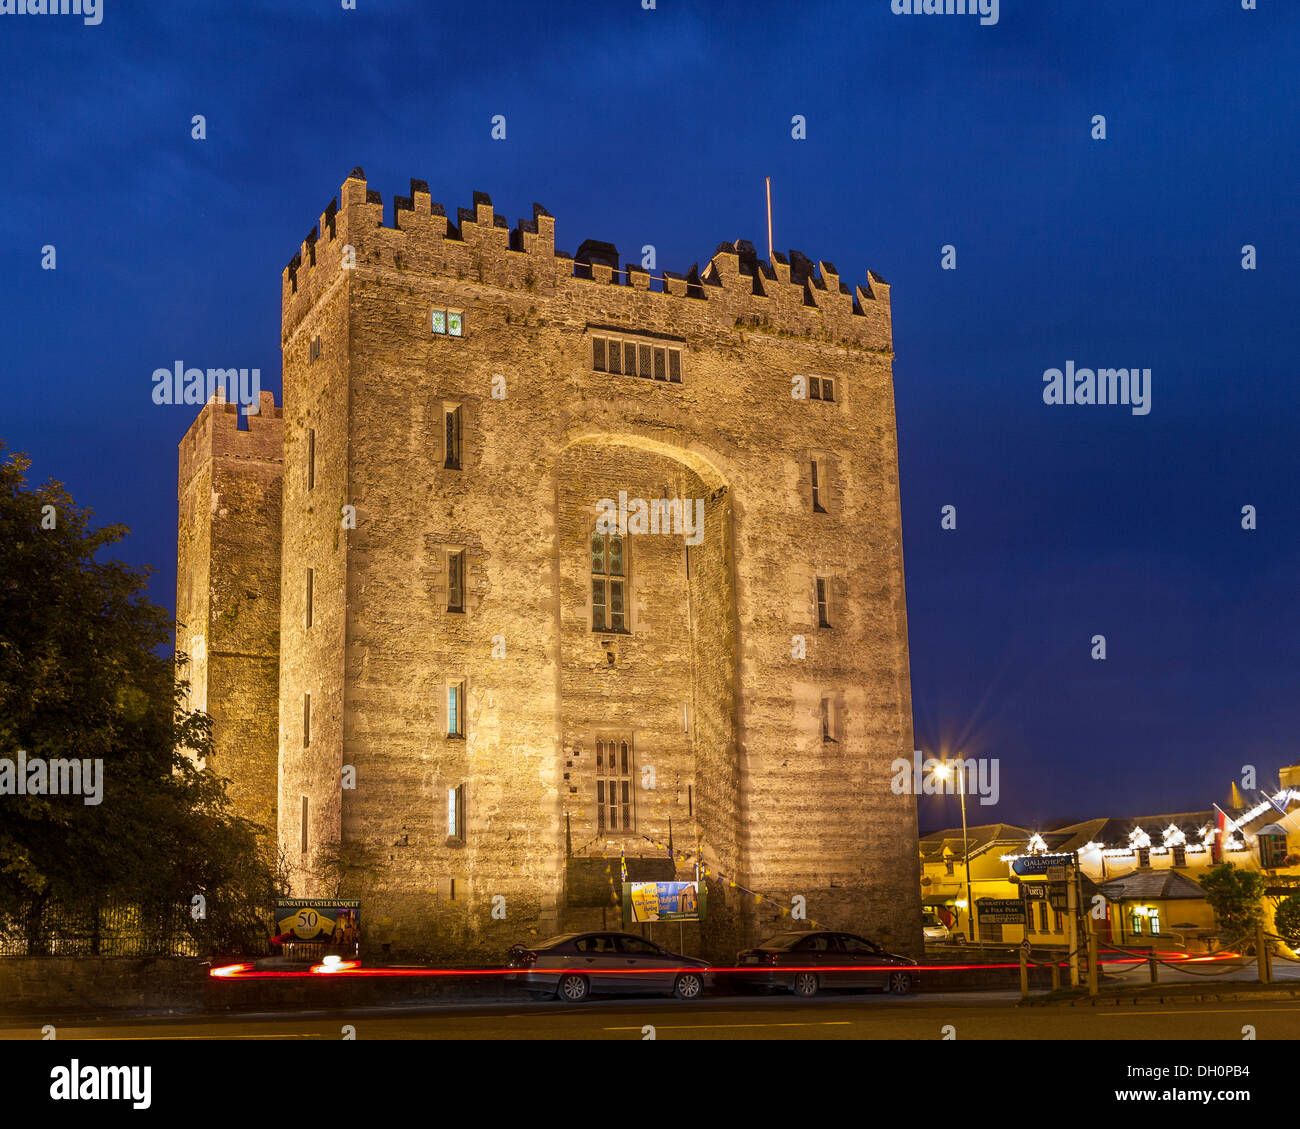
943	772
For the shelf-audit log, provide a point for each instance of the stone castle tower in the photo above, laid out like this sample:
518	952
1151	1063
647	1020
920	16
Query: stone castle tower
486	698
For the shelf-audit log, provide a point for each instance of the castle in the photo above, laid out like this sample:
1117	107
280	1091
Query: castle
448	663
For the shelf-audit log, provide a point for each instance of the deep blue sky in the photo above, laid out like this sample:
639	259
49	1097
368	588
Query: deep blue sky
658	127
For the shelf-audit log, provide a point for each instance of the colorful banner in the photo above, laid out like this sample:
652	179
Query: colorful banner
662	901
334	921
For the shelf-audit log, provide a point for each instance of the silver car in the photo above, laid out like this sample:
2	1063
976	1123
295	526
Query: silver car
574	966
936	932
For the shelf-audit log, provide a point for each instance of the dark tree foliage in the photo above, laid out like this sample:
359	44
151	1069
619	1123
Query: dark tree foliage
86	672
1236	896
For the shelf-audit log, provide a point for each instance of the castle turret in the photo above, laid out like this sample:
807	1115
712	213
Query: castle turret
228	593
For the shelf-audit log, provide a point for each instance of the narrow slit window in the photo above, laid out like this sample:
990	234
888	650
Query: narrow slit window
456	581
661	364
456	812
306	721
452	441
828	720
598	354
645	365
311	458
823	602
302	838
456	710
311	585
615	356
629	358
675	366
315	349
818	507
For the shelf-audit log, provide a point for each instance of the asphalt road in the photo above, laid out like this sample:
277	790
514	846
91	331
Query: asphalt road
984	1015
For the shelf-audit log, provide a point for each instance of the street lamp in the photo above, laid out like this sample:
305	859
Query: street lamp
943	772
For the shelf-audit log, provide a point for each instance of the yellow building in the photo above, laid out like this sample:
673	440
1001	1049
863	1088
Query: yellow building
1138	876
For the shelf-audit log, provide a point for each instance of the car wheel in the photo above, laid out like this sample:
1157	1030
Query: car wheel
688	987
573	988
805	985
900	983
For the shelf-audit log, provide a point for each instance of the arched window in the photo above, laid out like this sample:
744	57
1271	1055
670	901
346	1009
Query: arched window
608	583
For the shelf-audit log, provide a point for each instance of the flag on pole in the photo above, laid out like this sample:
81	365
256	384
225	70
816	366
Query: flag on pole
1221	825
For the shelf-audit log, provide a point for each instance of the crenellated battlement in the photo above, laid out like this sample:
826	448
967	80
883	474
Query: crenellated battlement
790	294
215	434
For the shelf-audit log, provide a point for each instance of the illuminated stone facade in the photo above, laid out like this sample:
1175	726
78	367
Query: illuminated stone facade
448	435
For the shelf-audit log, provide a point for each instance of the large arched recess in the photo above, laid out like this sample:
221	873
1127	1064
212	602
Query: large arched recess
670	682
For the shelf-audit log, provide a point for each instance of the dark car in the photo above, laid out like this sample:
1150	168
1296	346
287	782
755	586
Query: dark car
805	962
573	966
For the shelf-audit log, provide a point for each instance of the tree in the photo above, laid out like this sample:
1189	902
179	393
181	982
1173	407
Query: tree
1287	919
1236	897
86	673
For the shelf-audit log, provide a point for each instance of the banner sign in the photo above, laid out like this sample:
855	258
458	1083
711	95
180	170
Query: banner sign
662	901
334	921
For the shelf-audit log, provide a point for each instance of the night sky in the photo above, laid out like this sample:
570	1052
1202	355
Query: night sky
658	127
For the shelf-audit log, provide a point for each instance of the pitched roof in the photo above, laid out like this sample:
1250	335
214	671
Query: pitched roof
1151	884
938	843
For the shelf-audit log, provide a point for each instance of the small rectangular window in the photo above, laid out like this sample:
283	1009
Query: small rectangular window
817	489
311	458
303	828
615	356
645	366
456	812
456	581
675	366
451	461
814	388
598	354
439	321
661	364
456	710
597	604
455	323
315	349
828	389
823	602
1180	856
1144	856
306	721
311	585
629	358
